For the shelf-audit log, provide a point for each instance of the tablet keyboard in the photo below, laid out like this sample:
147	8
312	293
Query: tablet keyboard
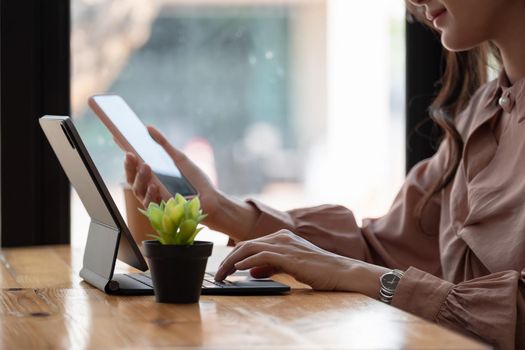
208	282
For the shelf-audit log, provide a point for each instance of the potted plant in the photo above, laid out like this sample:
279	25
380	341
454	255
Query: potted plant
177	262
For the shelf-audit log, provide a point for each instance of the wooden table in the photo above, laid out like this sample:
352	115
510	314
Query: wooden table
45	304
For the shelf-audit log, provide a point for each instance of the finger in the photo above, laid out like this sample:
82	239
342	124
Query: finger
238	246
273	238
222	271
273	259
140	184
130	165
263	271
247	249
174	153
189	169
152	195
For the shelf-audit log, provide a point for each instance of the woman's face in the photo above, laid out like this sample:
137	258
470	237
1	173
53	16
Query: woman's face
465	24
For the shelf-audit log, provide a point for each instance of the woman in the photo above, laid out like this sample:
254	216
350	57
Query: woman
452	247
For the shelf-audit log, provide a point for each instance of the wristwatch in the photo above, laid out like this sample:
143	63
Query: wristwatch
389	282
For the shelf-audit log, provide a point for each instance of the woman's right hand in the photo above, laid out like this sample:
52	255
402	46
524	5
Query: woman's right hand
147	188
225	214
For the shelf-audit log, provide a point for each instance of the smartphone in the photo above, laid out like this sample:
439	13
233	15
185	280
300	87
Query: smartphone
132	135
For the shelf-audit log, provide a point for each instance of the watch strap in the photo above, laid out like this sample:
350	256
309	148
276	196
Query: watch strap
386	294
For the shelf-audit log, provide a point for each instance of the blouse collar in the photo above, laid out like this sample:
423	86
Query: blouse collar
507	96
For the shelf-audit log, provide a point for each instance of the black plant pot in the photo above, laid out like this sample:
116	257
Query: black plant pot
177	271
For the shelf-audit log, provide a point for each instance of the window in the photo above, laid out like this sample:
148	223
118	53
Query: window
286	101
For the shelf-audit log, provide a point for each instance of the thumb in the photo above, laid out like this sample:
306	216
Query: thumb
190	170
174	153
262	271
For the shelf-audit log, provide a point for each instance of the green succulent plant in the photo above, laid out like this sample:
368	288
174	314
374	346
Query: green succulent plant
176	220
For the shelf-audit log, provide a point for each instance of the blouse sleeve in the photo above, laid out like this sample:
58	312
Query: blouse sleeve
491	307
395	240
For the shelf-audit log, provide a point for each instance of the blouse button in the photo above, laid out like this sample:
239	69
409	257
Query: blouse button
503	101
506	102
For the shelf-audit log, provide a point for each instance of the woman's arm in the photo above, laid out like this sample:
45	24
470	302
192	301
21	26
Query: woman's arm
224	213
395	240
491	308
234	217
284	251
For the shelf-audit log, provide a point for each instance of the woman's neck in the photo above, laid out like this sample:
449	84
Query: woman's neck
514	61
511	42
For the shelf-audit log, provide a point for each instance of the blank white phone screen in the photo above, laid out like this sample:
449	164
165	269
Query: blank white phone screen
135	132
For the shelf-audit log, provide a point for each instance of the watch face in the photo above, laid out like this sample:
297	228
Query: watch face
390	281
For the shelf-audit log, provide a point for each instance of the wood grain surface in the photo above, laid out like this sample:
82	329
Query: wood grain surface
44	304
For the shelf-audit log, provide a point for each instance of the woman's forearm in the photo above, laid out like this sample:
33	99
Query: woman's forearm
233	217
361	277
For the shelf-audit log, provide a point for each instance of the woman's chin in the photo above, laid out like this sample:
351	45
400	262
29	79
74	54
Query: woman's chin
455	44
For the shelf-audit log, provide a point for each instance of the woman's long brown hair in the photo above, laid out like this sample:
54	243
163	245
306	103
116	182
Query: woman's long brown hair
465	72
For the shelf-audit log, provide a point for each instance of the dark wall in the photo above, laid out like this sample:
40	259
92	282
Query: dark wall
424	60
34	80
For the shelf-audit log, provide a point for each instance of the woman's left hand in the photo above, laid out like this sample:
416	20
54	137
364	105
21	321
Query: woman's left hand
287	252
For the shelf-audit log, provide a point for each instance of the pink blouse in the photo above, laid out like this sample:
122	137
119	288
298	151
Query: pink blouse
466	268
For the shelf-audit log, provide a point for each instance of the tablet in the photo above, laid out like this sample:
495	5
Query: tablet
132	135
109	236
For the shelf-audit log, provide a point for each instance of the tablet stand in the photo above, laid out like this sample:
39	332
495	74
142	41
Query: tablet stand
99	263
